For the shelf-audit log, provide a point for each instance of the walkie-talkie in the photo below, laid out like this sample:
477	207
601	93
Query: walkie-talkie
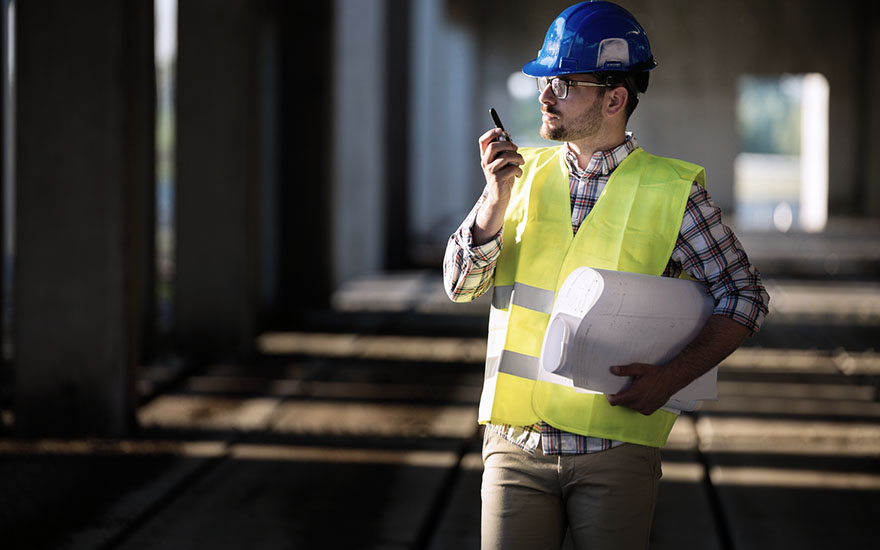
497	120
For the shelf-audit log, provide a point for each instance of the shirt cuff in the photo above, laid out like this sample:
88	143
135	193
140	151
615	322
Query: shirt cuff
483	254
746	310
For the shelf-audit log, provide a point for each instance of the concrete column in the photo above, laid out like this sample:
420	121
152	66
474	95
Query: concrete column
358	161
302	194
218	177
83	139
869	119
446	120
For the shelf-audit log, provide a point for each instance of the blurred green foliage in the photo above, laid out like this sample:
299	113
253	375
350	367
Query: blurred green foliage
769	114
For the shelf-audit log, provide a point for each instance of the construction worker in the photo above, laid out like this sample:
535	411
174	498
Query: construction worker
556	460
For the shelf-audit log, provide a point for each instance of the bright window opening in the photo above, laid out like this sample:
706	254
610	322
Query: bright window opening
781	173
166	63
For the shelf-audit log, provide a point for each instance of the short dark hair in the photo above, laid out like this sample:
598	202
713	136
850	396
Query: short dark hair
635	83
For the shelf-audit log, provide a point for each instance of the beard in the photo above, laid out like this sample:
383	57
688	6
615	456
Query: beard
586	124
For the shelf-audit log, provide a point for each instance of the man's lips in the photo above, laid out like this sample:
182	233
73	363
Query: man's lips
548	116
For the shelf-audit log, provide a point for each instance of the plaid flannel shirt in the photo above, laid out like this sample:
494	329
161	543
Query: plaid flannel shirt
706	249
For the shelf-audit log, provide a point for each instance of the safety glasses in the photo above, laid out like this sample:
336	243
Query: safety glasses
559	86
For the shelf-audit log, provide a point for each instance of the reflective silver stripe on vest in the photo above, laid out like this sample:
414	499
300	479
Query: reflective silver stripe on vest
511	362
532	297
522	295
501	296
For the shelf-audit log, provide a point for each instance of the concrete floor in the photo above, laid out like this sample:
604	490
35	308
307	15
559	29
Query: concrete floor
360	432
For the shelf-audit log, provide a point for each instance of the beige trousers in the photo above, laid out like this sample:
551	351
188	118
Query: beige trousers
606	499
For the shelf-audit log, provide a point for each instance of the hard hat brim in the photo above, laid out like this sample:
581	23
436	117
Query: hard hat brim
537	70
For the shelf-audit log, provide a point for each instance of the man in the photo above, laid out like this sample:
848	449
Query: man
556	460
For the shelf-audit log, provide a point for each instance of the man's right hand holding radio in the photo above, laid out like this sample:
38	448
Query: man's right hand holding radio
501	166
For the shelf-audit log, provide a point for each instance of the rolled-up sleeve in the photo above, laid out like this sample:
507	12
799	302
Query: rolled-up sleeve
468	269
709	251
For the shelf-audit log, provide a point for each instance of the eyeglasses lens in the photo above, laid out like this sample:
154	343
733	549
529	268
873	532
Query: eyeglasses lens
542	82
558	86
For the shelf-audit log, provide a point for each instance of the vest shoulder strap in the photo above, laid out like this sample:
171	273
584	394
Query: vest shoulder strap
670	169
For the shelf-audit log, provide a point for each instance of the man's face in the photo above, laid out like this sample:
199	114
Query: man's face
576	117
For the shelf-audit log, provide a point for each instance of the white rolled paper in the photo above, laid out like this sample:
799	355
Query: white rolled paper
604	318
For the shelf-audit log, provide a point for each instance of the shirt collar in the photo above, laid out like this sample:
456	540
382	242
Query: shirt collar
601	163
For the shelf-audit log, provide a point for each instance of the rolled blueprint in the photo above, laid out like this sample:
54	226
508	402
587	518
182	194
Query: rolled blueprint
604	318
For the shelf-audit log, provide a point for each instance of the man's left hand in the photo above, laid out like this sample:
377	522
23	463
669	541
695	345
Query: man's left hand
653	385
650	389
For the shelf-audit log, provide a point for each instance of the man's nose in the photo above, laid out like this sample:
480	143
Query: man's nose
546	96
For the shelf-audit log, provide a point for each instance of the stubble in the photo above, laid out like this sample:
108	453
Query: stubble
586	124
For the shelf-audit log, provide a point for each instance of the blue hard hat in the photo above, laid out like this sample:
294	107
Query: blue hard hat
593	37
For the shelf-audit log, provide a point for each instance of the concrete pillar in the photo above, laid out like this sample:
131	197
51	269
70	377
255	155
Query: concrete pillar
7	160
218	177
83	139
358	163
869	119
446	120
301	201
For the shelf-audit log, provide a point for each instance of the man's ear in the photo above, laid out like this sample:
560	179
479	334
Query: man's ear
615	100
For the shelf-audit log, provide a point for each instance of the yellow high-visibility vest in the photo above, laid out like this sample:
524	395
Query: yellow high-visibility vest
633	227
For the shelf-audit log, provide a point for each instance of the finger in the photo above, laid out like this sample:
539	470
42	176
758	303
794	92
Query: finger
500	166
510	157
625	399
498	147
489	137
504	173
486	138
634	369
620	398
490	154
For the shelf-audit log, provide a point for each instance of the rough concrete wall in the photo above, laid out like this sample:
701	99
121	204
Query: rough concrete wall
703	47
